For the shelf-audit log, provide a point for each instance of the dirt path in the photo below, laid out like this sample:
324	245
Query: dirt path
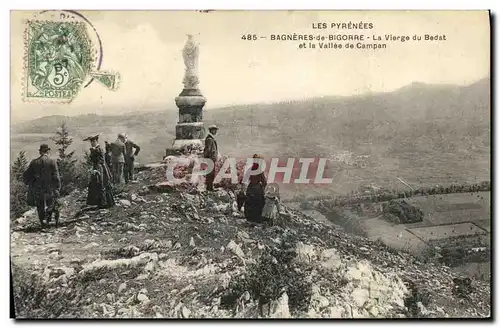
78	241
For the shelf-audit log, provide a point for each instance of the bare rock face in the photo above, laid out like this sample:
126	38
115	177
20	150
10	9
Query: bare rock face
122	287
372	292
142	298
141	259
335	312
330	259
318	301
125	202
305	253
185	312
235	248
279	307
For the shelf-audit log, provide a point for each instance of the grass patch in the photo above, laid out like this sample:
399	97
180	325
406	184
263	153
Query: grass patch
35	299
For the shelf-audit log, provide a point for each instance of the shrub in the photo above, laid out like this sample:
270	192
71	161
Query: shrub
18	190
391	218
406	213
82	172
33	298
19	166
18	195
65	162
416	295
275	272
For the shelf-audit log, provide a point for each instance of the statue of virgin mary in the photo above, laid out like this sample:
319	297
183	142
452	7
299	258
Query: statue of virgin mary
190	55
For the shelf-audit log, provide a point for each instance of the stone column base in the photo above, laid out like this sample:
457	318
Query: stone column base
181	146
190	131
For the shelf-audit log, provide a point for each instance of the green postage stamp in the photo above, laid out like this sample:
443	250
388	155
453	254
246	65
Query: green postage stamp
61	59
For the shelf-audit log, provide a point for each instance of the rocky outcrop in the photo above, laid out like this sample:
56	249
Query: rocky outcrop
177	254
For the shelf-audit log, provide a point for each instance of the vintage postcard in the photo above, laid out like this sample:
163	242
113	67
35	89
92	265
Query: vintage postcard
250	164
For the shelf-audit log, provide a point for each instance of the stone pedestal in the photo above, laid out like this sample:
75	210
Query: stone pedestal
189	131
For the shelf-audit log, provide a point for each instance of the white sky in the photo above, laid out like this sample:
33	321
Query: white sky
145	48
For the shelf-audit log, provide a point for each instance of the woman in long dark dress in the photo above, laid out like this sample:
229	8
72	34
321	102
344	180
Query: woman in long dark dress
100	188
254	200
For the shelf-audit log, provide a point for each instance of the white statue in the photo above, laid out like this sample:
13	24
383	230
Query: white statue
190	55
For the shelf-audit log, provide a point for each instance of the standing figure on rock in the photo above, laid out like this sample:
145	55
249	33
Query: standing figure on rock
211	151
130	154
254	200
42	177
118	159
107	156
272	206
100	188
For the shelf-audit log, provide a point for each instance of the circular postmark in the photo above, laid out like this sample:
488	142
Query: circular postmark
74	16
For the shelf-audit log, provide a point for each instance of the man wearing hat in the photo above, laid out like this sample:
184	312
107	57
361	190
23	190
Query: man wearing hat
131	151
118	158
211	151
42	177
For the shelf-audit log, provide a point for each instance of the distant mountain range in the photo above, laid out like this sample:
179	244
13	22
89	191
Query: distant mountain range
443	128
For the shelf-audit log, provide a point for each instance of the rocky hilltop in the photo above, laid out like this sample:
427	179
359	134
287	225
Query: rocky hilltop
177	252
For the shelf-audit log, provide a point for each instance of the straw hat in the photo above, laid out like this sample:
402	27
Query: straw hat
93	137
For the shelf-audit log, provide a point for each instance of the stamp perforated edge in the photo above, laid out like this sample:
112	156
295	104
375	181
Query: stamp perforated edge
108	72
